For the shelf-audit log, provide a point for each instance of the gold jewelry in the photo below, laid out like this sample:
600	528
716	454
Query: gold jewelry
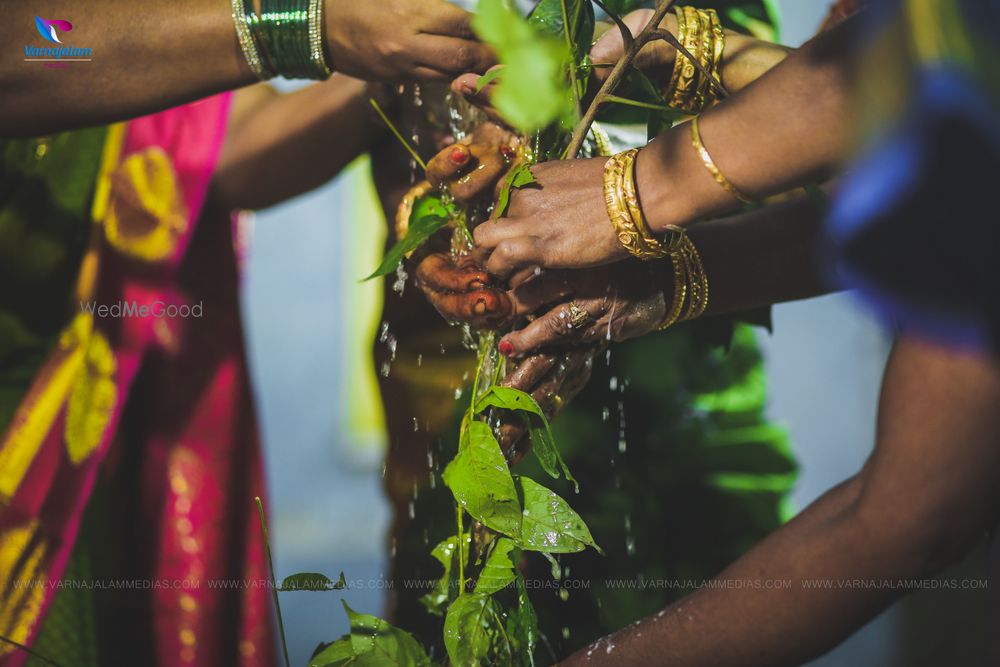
624	211
709	163
690	283
578	317
700	32
317	53
247	43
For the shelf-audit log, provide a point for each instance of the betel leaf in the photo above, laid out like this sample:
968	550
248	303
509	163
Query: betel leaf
474	633
312	581
542	442
532	92
488	78
481	483
447	586
517	177
429	215
376	643
337	654
498	571
547	16
549	523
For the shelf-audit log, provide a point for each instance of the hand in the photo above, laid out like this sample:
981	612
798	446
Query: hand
655	59
624	300
558	222
403	39
461	291
474	166
553	380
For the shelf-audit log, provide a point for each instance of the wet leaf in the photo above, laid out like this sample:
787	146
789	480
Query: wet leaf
487	78
499	570
429	215
447	586
481	483
518	177
548	17
474	633
376	643
336	654
522	626
549	523
312	581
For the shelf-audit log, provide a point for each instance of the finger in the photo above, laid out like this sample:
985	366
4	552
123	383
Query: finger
486	308
489	234
449	163
489	165
467	86
444	18
519	276
438	272
513	254
452	54
529	372
551	329
542	290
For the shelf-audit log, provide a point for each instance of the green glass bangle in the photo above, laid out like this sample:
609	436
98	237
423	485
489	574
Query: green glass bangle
290	32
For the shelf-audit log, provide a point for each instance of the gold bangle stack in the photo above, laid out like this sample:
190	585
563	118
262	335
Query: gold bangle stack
700	32
690	294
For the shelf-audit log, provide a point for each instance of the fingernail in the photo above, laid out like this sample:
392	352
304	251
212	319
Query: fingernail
458	156
480	307
508	152
506	348
476	284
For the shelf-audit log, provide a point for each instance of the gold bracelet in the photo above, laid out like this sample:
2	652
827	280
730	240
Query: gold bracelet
700	33
623	208
683	93
247	43
690	286
706	55
706	159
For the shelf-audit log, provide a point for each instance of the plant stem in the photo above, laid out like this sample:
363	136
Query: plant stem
572	55
32	653
274	584
461	549
392	128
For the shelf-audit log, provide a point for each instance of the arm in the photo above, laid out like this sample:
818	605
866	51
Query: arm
926	495
279	146
149	56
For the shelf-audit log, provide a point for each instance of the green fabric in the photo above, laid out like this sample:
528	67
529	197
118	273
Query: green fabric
46	189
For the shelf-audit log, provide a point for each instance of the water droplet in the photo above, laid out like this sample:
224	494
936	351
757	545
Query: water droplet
564	594
413	510
420	360
400	284
613	383
416	426
565	633
605	414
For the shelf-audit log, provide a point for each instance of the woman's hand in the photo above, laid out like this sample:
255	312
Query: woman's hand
403	39
558	222
461	291
608	303
473	167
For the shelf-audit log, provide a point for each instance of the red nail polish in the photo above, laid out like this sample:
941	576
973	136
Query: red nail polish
508	152
506	348
458	156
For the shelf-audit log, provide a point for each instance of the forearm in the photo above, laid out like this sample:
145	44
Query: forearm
284	145
766	256
147	56
789	128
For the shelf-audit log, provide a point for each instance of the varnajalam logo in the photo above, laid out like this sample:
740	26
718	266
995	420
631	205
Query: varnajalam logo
50	30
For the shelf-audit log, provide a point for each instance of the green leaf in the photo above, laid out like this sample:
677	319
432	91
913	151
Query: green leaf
312	581
522	625
336	654
499	570
487	78
447	586
481	483
474	634
533	91
429	215
376	643
517	177
622	7
543	444
547	16
549	523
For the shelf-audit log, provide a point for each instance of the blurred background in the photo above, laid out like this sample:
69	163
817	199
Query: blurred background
310	324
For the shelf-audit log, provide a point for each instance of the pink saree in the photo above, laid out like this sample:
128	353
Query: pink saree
159	387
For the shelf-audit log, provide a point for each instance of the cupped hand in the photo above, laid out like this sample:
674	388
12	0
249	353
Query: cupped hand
473	167
621	301
461	291
558	222
393	40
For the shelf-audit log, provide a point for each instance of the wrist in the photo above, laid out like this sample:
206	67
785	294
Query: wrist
659	178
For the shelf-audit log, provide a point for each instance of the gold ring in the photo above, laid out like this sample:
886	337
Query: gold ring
578	317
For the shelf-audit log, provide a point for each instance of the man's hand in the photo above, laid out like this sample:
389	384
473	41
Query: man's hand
403	39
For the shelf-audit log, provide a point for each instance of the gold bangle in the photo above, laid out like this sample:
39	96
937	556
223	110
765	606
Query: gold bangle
706	159
247	44
706	56
690	286
624	211
675	73
683	93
